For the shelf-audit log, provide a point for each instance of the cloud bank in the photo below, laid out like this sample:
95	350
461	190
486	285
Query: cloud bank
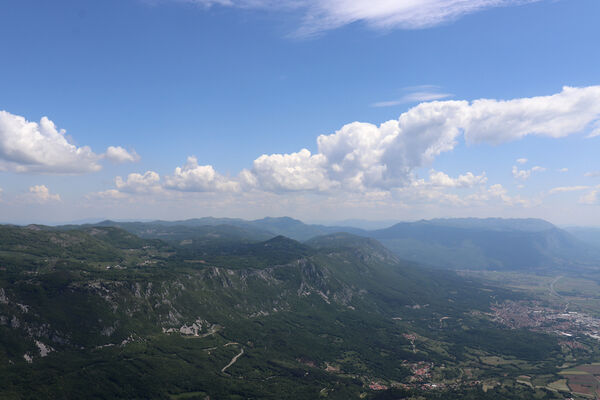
366	158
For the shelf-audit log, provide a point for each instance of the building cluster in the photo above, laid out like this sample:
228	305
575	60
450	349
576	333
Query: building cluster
534	316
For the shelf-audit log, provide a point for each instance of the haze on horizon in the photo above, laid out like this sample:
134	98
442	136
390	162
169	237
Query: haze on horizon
310	109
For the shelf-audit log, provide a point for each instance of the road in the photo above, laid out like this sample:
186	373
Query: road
553	291
233	360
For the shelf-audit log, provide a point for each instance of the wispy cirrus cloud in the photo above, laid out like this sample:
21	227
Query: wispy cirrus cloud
322	15
414	97
567	189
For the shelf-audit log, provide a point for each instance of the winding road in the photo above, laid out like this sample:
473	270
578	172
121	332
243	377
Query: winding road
233	360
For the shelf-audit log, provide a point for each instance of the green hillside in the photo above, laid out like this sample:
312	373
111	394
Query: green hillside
99	313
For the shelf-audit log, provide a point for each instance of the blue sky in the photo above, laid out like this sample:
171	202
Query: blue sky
227	82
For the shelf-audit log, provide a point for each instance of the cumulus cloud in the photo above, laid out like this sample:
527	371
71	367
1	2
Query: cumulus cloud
199	178
525	173
322	15
40	147
363	155
41	194
149	182
27	146
367	158
522	161
118	154
468	180
289	172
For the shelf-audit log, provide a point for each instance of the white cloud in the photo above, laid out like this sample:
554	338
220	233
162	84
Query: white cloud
592	174
290	172
565	189
31	147
118	154
199	178
361	155
499	193
366	158
41	194
149	182
468	180
366	155
563	170
522	161
386	14
525	173
322	15
111	194
559	115
42	148
435	190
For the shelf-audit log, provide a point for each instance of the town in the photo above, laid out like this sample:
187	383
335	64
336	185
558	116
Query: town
536	317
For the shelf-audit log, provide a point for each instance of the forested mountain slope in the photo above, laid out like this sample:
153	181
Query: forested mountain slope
96	312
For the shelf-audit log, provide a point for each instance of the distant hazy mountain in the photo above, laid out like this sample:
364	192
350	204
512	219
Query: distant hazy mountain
588	235
460	243
360	223
491	243
190	231
235	228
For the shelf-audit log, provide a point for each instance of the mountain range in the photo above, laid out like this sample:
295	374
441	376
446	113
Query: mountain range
465	243
227	308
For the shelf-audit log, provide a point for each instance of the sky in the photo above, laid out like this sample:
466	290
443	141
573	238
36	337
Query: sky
322	110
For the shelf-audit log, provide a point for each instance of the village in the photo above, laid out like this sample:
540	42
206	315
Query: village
539	318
